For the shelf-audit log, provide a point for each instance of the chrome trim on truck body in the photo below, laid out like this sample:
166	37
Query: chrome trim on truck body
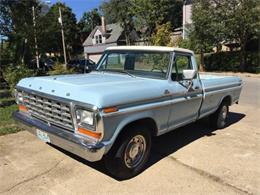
76	144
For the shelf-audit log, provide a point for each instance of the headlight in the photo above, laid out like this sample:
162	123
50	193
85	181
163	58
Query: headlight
85	117
18	97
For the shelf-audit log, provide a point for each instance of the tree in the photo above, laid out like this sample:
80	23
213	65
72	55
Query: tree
225	21
149	14
88	22
203	27
118	11
16	24
162	37
50	36
143	15
242	22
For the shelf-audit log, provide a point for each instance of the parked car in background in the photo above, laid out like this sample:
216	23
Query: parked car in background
45	64
82	65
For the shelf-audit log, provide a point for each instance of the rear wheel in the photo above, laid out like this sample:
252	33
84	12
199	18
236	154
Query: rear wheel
219	118
129	154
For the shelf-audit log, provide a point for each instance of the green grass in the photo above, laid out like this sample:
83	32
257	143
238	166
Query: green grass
7	124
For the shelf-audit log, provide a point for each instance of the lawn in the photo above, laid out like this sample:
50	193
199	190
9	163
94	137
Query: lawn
7	124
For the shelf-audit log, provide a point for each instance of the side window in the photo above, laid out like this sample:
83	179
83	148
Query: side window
182	62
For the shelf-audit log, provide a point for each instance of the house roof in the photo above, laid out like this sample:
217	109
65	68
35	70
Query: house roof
113	33
150	48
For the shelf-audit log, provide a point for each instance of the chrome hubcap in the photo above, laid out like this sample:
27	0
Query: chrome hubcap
135	151
224	112
223	116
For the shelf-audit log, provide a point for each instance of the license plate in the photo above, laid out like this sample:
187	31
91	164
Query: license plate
43	136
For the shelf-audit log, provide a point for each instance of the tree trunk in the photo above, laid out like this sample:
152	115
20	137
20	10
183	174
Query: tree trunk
201	66
243	57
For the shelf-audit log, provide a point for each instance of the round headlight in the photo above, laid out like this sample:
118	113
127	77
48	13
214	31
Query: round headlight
85	117
19	97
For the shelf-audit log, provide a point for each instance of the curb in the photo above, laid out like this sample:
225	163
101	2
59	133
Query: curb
233	74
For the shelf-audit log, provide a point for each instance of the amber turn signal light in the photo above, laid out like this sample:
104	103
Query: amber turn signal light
22	108
110	109
89	133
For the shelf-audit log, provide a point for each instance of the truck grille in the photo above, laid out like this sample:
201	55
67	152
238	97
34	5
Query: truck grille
48	110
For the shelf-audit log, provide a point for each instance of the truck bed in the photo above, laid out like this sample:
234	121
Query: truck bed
213	81
218	87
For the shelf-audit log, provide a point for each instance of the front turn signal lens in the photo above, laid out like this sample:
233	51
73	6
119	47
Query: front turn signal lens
110	109
89	133
22	108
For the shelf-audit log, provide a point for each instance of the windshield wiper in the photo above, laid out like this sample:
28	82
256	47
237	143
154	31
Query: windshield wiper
118	71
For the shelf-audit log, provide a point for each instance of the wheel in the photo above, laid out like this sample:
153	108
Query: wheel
219	118
129	154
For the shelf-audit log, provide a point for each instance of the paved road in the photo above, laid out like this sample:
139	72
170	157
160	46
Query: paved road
191	160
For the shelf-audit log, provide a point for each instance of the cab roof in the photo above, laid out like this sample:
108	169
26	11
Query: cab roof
150	48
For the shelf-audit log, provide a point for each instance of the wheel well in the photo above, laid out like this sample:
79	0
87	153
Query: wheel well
227	99
147	122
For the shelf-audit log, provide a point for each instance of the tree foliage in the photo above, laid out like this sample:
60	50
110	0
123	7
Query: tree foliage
17	24
149	14
162	36
50	38
219	22
16	20
143	15
88	22
118	11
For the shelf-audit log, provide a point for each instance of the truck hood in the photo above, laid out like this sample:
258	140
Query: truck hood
97	88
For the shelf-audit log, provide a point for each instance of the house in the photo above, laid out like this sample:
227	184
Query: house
186	17
182	32
104	36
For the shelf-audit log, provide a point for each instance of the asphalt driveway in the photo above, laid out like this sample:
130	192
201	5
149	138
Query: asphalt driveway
194	159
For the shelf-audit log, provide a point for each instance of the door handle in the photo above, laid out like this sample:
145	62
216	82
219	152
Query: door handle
197	87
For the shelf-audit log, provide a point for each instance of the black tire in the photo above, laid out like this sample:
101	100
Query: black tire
219	119
117	161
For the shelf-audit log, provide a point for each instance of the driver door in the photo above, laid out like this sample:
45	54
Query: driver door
186	100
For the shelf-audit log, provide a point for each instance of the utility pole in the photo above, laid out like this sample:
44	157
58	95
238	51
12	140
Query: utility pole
63	39
35	38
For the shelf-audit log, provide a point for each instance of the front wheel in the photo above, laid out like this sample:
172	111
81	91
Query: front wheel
219	118
129	154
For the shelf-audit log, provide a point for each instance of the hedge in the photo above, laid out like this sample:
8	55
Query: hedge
229	61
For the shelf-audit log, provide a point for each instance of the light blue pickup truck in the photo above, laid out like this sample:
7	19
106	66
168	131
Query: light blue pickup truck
137	92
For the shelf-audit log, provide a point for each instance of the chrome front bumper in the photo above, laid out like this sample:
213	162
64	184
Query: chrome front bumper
64	139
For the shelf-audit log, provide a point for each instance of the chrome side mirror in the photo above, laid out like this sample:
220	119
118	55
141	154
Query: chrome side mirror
188	74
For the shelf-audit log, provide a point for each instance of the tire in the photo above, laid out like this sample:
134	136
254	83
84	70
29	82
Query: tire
219	119
129	153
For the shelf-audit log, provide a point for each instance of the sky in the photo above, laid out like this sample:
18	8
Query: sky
80	6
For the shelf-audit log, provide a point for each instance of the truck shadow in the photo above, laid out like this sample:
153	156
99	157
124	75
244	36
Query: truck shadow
170	142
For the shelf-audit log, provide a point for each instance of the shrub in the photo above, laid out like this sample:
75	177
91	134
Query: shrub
230	61
60	69
13	74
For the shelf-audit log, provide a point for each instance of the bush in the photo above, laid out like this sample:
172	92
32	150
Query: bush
230	61
13	74
60	69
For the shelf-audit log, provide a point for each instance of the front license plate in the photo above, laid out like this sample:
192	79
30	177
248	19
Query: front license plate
43	136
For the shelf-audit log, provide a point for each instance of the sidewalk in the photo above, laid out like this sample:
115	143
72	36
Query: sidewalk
234	74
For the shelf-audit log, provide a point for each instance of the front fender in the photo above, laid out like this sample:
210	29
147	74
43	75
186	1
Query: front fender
113	125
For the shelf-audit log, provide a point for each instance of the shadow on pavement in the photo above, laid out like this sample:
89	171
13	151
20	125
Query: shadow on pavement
170	142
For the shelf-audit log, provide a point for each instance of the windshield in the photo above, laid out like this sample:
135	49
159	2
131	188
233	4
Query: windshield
136	63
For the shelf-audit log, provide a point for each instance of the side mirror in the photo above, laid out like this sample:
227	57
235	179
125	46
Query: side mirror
188	74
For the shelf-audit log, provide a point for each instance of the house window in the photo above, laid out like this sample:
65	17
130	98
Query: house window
98	39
